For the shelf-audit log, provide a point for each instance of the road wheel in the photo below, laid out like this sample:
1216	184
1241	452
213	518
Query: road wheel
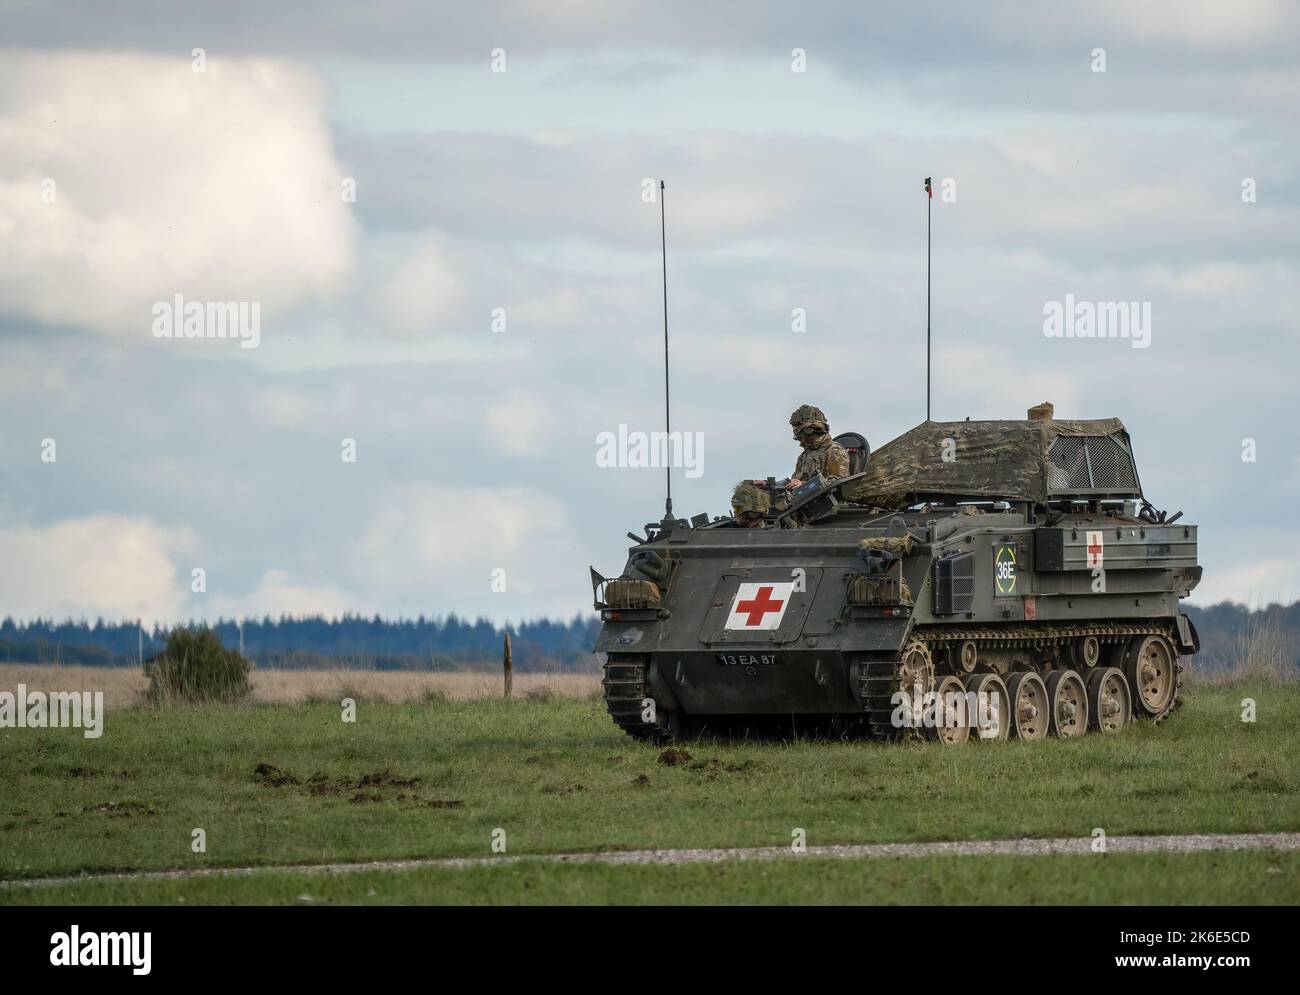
1109	704
1068	704
1151	666
952	721
1030	715
991	718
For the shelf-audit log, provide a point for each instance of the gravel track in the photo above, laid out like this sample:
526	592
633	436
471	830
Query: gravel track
1020	847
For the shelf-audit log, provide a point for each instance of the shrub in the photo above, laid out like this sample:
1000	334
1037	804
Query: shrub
195	667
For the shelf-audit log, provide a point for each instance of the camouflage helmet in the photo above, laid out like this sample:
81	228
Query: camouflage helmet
748	496
806	416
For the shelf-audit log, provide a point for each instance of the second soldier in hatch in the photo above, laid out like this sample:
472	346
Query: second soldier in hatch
749	505
821	454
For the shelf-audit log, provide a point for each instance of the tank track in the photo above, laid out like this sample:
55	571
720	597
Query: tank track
1032	636
879	674
626	685
878	680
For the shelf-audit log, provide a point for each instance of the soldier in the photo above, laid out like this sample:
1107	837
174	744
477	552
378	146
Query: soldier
749	505
821	454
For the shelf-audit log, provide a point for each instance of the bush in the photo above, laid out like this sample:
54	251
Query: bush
195	667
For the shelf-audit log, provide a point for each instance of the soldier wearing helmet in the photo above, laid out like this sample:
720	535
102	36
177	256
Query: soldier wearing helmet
749	505
821	454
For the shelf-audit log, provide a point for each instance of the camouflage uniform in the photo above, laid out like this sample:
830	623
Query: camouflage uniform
826	456
749	497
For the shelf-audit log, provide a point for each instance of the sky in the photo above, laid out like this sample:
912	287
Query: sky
441	222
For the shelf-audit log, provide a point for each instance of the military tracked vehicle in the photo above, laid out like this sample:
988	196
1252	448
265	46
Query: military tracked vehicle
975	579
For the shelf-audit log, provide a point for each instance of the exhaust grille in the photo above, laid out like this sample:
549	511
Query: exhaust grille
954	584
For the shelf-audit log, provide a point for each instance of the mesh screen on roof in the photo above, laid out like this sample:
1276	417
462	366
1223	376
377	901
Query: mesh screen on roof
1081	463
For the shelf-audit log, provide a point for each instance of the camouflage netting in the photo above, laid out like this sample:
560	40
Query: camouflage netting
992	460
893	544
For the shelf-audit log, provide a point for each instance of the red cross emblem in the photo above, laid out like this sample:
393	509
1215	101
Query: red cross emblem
1096	549
759	606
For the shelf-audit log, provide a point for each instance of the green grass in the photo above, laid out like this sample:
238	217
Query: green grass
1254	878
557	776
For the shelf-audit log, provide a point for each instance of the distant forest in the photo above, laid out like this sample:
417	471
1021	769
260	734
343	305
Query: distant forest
1229	634
449	643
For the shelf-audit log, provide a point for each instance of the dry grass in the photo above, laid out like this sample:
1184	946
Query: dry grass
1262	651
123	686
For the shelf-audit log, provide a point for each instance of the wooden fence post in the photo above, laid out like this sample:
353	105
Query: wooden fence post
508	666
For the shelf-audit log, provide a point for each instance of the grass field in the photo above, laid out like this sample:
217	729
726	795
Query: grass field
429	779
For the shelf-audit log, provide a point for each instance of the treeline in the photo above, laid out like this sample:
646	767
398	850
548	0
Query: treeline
1230	635
422	643
1234	635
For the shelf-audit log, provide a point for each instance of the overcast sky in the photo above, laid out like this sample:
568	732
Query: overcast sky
498	155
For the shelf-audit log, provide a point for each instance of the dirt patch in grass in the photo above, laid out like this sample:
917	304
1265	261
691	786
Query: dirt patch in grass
362	797
385	779
1265	783
562	789
273	777
672	757
122	810
713	767
320	784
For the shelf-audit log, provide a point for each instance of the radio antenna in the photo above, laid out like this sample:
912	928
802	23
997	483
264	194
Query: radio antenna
929	198
663	248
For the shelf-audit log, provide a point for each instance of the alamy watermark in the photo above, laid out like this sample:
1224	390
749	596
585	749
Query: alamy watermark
53	710
182	319
949	710
1070	319
679	450
94	949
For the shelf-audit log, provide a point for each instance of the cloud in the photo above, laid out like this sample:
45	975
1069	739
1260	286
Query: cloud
1253	584
276	594
617	72
112	566
918	35
422	294
1092	196
444	542
217	185
520	424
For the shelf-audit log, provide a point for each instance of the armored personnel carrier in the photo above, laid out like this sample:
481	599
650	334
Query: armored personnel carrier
1003	577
